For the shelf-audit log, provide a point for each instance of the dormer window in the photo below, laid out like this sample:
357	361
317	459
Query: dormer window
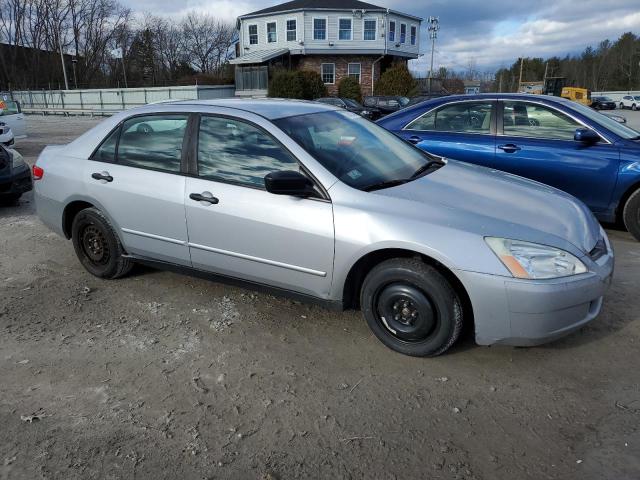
344	32
272	34
319	28
253	34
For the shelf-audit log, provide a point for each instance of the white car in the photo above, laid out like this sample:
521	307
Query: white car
6	135
630	101
11	115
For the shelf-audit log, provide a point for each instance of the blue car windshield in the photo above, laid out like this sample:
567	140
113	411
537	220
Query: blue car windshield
358	152
619	129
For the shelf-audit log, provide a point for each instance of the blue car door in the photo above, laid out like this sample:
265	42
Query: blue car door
537	141
462	130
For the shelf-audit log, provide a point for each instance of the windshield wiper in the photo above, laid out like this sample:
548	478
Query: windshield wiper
427	168
381	185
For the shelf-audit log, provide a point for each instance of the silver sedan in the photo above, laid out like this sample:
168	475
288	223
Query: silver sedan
308	200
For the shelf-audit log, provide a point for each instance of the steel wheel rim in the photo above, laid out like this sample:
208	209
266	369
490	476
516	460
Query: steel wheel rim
94	245
406	312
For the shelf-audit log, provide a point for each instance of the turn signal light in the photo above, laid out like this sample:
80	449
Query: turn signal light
38	172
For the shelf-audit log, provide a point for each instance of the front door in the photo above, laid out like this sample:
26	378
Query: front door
136	177
537	142
460	131
238	229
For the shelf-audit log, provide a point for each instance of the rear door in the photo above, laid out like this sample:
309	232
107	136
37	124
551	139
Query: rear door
11	114
461	131
536	141
136	176
244	231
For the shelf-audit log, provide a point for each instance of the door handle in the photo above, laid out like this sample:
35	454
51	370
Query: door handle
204	198
103	176
414	139
509	148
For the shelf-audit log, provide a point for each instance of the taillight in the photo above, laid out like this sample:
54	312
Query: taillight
38	172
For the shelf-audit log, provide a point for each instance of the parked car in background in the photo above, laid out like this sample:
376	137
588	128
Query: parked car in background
602	103
6	135
630	101
15	176
308	199
548	139
386	104
351	106
12	116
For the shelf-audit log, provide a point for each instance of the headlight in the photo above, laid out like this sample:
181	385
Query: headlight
16	159
534	261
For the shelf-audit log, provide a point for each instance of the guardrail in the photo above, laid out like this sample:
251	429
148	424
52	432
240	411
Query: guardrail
70	111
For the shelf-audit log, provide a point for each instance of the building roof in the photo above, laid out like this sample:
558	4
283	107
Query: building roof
259	56
317	4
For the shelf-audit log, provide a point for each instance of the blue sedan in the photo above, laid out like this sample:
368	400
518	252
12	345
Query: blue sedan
548	139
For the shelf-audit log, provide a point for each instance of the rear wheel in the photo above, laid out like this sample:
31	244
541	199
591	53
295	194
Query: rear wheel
97	246
631	214
411	307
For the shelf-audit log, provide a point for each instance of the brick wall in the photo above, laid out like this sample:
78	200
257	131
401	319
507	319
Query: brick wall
313	62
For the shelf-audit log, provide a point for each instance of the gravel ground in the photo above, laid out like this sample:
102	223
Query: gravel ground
160	375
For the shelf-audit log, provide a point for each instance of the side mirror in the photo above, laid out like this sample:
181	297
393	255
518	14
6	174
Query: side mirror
288	182
586	135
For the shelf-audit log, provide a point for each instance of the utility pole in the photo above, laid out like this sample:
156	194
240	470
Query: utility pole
434	26
64	70
520	79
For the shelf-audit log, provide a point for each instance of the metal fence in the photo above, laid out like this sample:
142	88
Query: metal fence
104	101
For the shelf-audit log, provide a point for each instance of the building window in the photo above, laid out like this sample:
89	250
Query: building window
319	28
354	71
253	34
414	31
291	30
344	29
403	33
272	36
328	71
369	30
392	31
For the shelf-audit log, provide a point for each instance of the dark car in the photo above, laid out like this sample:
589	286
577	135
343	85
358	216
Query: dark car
15	176
602	103
352	106
386	104
549	139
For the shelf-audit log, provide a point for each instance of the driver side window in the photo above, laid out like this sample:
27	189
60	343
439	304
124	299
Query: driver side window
465	117
536	121
233	151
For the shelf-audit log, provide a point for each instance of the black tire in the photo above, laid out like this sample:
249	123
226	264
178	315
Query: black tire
631	214
621	106
633	107
97	246
423	313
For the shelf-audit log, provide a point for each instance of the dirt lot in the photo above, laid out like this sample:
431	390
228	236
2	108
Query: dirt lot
160	375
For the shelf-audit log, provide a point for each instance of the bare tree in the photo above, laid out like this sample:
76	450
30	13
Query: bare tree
207	41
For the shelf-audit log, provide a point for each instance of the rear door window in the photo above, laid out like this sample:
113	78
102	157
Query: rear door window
153	142
465	117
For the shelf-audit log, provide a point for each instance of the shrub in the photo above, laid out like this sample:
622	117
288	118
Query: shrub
312	85
397	80
286	84
349	87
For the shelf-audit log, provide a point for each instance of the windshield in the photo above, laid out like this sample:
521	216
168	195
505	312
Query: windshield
637	97
605	99
352	103
358	152
618	128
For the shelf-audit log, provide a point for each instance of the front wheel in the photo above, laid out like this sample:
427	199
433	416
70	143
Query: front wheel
621	106
631	214
411	307
97	246
633	107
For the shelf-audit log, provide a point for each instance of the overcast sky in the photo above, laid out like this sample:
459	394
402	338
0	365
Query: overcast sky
492	32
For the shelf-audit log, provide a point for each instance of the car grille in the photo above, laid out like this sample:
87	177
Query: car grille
599	250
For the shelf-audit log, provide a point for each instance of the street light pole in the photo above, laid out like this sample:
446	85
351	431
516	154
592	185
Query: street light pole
64	70
433	34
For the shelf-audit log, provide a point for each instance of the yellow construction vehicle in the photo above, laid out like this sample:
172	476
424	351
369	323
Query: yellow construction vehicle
580	95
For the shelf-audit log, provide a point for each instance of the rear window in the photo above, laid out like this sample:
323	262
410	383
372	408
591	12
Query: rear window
9	107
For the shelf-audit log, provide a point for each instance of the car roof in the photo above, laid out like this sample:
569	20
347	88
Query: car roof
271	108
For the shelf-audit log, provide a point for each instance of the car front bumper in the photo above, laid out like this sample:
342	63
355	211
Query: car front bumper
510	311
16	182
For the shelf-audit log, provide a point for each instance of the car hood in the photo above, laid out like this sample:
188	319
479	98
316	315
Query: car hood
496	203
